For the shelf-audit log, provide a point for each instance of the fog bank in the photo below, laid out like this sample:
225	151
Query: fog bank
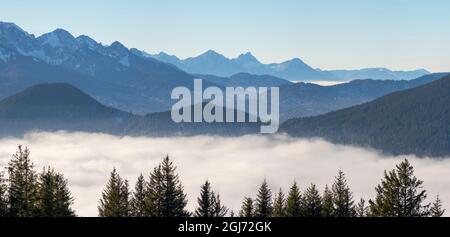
235	166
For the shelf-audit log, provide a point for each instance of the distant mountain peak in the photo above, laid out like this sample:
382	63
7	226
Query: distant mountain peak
117	49
118	45
247	54
209	57
120	52
63	33
88	41
57	38
211	53
295	61
247	58
166	55
12	26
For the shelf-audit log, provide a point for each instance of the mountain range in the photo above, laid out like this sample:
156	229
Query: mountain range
306	99
60	82
111	74
133	81
213	63
414	121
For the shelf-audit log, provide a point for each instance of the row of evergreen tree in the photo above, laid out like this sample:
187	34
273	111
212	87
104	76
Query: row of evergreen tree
400	194
25	193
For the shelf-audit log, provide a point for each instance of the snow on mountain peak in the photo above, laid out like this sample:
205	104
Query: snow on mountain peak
57	38
5	56
88	41
120	52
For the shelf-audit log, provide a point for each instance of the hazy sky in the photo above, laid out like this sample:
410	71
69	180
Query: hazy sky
329	34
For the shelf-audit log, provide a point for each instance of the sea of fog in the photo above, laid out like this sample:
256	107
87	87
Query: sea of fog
327	83
235	166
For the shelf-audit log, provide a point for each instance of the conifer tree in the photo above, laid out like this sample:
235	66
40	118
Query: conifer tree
165	194
436	208
55	199
294	202
63	198
312	202
327	201
247	209
115	198
23	187
138	198
205	201
343	204
218	209
279	205
154	198
361	208
400	194
3	197
263	204
46	193
174	202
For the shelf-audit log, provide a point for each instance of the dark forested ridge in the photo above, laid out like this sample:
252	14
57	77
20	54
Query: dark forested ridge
60	106
304	100
56	99
415	121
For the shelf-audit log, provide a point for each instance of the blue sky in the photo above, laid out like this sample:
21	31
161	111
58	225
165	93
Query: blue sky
328	34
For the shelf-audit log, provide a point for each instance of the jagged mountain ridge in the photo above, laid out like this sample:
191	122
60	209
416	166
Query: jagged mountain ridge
213	63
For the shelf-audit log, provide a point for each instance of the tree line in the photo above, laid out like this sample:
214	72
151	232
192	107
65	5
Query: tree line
26	193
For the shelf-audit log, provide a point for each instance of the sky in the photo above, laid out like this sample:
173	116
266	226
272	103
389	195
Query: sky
326	34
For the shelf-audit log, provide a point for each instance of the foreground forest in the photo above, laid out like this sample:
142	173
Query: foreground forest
26	193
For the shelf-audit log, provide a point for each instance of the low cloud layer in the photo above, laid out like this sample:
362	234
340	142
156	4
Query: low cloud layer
235	166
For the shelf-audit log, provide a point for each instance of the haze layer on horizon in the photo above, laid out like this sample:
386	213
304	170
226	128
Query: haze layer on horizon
327	34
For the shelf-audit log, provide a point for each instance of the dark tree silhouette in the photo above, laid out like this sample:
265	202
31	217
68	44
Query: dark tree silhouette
115	198
294	202
343	205
400	194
